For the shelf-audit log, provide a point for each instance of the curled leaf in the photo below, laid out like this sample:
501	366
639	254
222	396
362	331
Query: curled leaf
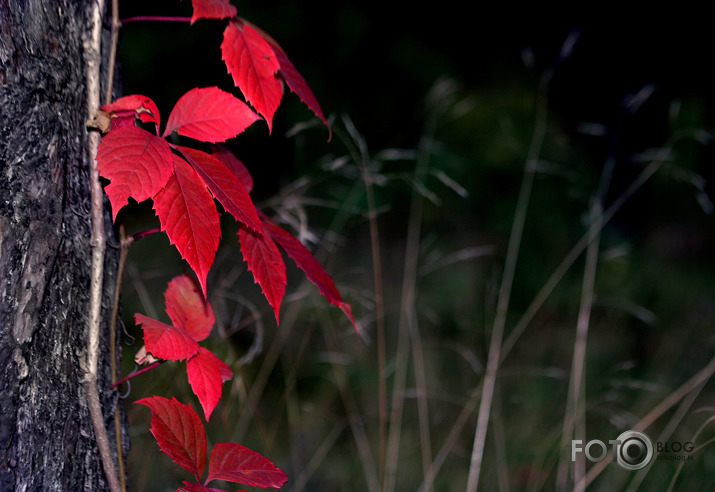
188	308
212	9
132	106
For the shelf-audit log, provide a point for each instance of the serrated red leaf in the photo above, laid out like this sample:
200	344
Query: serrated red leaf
188	214
179	432
187	307
306	262
266	264
224	186
235	463
212	9
293	78
234	164
137	163
141	106
207	374
210	115
166	341
252	63
297	84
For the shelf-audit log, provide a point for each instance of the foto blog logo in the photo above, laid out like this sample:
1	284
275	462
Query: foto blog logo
632	450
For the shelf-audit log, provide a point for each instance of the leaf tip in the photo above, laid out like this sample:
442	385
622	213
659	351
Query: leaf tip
345	307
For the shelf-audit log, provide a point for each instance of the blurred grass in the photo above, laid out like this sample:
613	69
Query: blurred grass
311	395
309	399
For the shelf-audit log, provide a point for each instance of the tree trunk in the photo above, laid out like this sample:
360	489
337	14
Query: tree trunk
46	436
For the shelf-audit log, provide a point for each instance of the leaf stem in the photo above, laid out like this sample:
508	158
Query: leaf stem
137	373
156	18
141	234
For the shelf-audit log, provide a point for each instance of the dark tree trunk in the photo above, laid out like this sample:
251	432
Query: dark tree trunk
46	437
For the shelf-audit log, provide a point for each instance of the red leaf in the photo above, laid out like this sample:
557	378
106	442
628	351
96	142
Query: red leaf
224	186
266	264
235	463
209	115
293	78
166	341
226	156
133	106
138	164
179	432
306	262
207	374
252	63
188	214
188	308
123	119
212	9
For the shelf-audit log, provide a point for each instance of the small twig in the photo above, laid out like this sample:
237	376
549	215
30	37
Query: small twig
125	243
122	258
92	55
112	52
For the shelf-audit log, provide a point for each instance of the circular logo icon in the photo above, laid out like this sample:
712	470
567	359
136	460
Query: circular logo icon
635	450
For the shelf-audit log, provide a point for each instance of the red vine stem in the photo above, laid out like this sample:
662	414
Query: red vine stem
141	234
137	373
158	18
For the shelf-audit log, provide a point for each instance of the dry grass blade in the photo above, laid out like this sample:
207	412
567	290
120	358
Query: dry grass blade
703	375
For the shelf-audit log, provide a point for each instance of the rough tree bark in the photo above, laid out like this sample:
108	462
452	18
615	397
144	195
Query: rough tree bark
46	437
